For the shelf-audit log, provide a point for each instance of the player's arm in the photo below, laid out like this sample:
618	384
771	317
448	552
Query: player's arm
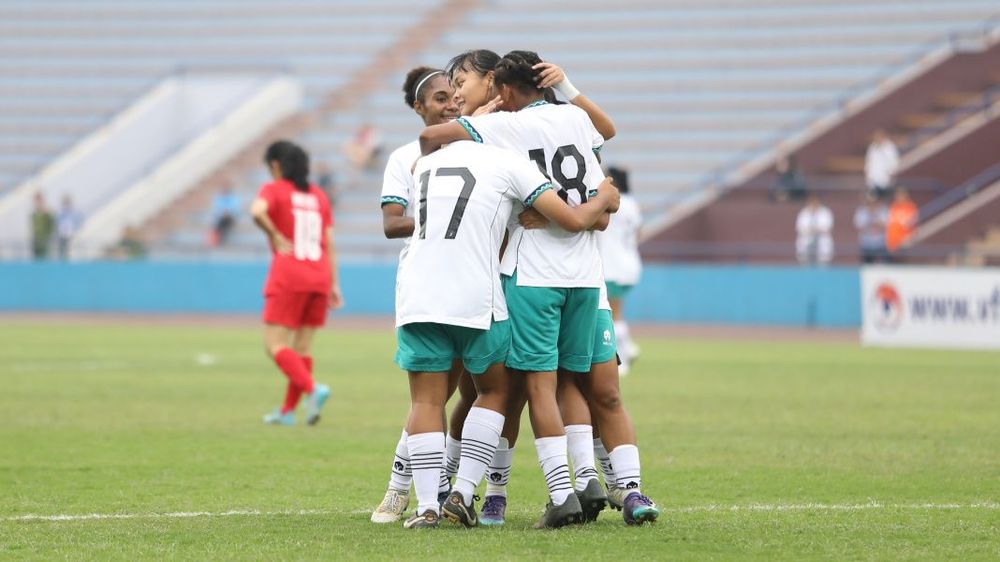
395	223
258	210
436	136
551	75
336	297
532	220
579	218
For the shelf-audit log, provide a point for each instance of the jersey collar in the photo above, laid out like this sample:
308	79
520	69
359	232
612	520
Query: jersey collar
535	104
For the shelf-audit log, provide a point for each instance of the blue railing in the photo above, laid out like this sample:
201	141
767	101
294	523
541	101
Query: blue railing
955	195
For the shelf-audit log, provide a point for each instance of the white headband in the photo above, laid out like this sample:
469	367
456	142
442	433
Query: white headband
416	91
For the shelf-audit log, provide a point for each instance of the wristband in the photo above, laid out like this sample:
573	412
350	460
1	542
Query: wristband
566	88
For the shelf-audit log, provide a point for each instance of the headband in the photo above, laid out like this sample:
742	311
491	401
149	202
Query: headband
416	91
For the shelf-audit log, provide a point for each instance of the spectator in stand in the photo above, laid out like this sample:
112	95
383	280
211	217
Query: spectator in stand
881	165
225	209
871	218
131	246
324	180
790	184
67	225
814	227
42	228
363	151
902	221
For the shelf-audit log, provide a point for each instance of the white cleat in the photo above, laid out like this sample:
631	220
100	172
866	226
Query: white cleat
392	507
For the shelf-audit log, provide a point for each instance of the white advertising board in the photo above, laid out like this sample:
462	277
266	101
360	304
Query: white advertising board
930	307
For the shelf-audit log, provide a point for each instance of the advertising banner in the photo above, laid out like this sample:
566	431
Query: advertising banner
930	307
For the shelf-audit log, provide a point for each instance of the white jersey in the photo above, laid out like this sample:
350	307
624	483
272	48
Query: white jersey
560	140
466	193
397	182
619	244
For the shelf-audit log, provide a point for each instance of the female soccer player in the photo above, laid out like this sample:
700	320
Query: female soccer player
546	263
428	92
302	281
450	306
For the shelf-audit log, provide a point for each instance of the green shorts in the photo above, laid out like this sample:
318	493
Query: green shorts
616	291
429	347
605	344
551	327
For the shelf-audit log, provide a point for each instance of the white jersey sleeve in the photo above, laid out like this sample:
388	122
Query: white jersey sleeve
619	244
526	179
397	181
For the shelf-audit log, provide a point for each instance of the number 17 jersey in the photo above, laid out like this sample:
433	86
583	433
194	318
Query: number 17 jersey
464	195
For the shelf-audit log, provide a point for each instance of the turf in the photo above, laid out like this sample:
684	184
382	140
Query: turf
768	451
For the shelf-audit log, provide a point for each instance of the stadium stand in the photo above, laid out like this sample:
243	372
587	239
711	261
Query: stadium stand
692	88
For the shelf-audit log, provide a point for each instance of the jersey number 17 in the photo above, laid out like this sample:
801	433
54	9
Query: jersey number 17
463	199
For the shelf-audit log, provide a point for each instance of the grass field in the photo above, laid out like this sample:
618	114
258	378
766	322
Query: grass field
767	451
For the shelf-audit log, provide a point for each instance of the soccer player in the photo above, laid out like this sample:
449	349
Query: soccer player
450	305
619	246
428	92
302	280
544	263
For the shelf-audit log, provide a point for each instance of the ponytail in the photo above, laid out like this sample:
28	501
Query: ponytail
292	161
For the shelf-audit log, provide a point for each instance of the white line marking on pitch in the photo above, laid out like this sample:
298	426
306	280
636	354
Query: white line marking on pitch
690	509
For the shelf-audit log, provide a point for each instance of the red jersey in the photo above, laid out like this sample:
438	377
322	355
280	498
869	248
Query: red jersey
303	218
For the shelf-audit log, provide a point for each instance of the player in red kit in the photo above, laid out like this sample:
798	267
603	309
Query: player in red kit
302	281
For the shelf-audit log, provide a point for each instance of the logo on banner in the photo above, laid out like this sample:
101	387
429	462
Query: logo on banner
887	307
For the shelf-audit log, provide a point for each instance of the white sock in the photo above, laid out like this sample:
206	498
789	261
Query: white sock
426	457
498	472
401	476
625	460
602	457
580	442
622	337
480	436
452	453
555	467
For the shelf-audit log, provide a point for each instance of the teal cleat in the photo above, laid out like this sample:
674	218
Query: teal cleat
277	418
315	403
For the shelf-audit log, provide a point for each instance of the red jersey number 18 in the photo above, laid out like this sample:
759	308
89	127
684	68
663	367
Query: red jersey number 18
308	233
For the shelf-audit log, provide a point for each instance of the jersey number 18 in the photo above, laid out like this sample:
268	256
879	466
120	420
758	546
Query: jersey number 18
308	233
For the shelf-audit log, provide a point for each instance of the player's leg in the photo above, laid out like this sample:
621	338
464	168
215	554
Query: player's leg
484	356
317	398
453	441
580	444
425	352
498	473
535	314
601	388
604	461
283	315
627	348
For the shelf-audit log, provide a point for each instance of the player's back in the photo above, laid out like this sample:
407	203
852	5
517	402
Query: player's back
465	193
302	217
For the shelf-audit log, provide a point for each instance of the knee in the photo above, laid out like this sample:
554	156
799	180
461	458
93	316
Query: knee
608	399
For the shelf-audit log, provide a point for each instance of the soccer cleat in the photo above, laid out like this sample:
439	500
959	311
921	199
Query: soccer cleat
593	500
556	516
316	400
392	507
616	498
429	520
639	509
456	511
277	418
494	509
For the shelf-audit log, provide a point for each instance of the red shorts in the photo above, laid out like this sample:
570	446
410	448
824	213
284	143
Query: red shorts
294	310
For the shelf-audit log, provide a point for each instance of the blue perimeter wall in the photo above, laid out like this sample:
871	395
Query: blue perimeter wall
767	295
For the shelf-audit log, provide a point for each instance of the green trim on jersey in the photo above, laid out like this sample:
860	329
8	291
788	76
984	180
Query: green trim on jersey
535	104
393	200
470	129
538	191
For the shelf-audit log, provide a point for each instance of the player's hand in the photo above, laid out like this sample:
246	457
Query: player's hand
549	75
336	298
488	107
281	244
608	189
532	219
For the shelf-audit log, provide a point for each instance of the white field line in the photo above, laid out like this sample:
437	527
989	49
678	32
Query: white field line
870	506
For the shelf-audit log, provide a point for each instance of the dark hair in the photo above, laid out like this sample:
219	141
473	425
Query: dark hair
292	160
479	61
619	177
515	70
413	78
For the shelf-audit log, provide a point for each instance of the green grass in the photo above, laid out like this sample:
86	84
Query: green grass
126	420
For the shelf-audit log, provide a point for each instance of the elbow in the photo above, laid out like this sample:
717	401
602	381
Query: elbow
427	142
609	131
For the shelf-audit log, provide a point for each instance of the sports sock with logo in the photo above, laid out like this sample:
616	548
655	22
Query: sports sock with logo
601	455
426	456
498	473
555	467
625	460
480	436
580	442
400	475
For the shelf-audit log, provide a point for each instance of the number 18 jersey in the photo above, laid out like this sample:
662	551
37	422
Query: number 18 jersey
464	195
302	217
